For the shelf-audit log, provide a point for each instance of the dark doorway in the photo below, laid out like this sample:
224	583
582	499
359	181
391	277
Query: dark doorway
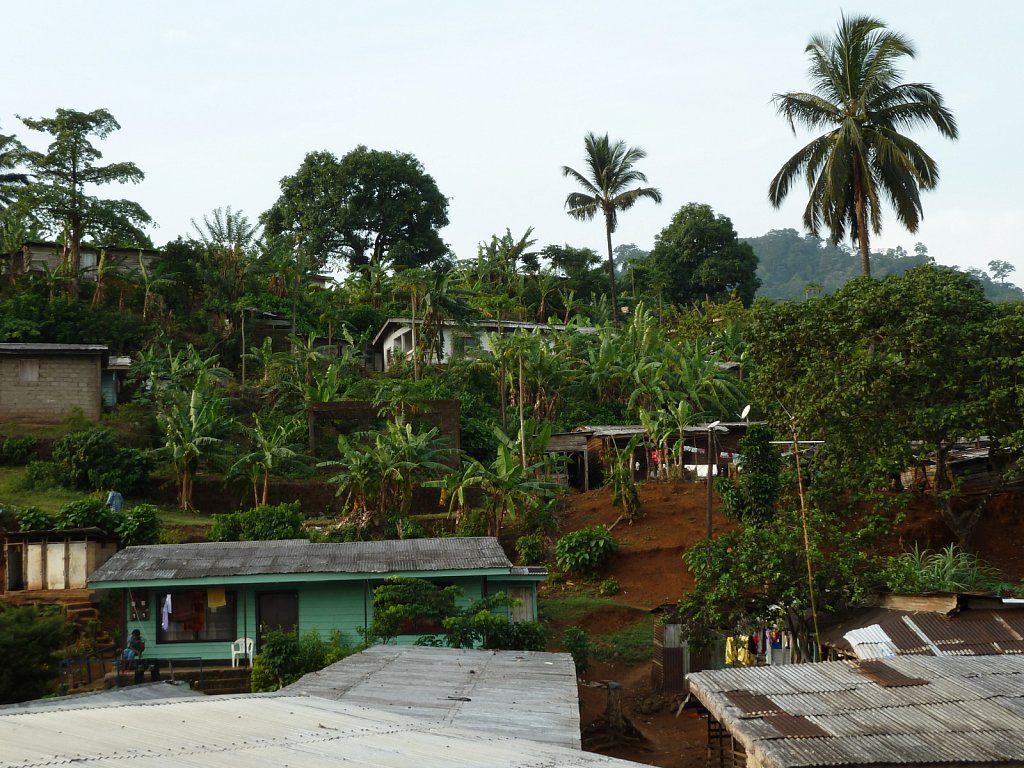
276	610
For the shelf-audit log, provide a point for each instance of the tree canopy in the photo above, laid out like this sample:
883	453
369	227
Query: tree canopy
368	208
58	192
698	256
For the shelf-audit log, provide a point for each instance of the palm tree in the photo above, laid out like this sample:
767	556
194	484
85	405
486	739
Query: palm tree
858	95
606	190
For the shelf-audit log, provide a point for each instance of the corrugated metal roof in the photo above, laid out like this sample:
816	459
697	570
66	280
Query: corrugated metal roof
51	349
423	707
974	632
520	694
132	694
970	711
885	675
254	558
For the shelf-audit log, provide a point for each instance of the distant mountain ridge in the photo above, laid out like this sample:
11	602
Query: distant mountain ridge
795	266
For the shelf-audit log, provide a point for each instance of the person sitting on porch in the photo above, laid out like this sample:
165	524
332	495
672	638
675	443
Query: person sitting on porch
133	651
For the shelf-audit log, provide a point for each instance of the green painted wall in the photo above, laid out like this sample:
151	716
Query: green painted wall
323	607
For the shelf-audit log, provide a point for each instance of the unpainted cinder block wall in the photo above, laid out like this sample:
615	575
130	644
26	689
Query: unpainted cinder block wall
63	384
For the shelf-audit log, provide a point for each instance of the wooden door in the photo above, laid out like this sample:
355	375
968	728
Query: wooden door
276	610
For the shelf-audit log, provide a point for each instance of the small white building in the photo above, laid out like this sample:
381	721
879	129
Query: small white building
395	339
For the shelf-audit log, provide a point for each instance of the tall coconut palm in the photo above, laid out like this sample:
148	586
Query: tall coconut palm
607	190
858	95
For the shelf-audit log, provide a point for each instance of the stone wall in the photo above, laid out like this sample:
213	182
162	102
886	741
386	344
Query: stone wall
47	388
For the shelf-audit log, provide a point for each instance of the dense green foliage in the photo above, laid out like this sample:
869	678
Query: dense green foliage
753	498
585	551
887	372
372	209
15	451
267	523
90	512
139	524
30	638
33	519
699	257
416	605
285	657
94	460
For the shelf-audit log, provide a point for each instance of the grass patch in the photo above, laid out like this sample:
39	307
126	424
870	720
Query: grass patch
631	644
14	492
569	609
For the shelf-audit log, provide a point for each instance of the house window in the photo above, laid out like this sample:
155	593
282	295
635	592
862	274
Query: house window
28	371
468	345
196	616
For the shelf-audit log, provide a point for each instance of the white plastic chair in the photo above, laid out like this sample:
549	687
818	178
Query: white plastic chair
241	649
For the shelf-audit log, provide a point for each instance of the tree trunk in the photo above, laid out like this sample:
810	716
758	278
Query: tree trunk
608	226
861	204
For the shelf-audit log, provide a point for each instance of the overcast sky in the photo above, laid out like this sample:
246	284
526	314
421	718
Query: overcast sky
219	100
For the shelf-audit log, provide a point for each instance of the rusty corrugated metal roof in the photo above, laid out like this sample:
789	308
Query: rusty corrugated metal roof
970	711
795	726
885	675
753	703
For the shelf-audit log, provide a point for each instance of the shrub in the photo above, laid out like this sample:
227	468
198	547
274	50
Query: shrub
90	512
540	518
33	519
76	453
530	549
608	587
285	657
226	527
473	522
15	451
576	641
139	525
93	460
267	523
40	475
585	551
30	638
129	473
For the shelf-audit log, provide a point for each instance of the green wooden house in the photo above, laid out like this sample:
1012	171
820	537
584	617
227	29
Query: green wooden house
195	600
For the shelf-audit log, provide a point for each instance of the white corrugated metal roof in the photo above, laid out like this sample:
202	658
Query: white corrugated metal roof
521	694
387	706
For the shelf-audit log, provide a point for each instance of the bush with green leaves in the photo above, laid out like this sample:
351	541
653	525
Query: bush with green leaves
285	657
40	475
30	638
530	549
576	642
129	473
753	498
78	452
15	451
33	519
93	460
139	525
608	587
270	522
586	551
90	512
